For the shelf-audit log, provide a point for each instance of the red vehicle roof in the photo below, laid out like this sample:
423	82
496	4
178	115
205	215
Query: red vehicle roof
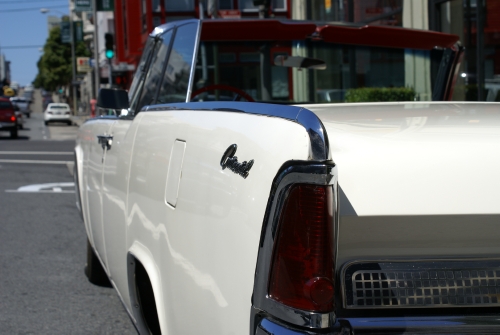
276	30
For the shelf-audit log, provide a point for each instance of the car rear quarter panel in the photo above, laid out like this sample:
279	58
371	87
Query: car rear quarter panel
204	250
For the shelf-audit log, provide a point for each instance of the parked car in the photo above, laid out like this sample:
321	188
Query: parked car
8	118
283	214
23	104
19	119
57	112
28	95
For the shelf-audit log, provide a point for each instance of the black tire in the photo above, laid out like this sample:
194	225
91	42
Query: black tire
146	298
94	270
70	123
13	133
29	115
46	123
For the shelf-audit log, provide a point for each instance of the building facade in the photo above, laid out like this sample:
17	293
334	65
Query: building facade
476	22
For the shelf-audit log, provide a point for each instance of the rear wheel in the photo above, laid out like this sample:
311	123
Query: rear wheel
13	133
29	114
46	123
94	270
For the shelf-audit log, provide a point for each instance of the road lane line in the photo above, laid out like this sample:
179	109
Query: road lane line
36	153
44	188
16	191
23	161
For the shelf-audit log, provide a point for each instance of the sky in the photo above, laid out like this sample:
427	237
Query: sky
22	24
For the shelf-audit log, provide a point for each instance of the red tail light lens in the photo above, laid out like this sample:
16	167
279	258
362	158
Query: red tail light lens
302	267
13	118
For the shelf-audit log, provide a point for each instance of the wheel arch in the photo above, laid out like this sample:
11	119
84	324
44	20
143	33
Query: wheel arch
139	255
80	189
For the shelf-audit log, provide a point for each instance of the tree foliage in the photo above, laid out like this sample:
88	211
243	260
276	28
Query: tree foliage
380	94
54	66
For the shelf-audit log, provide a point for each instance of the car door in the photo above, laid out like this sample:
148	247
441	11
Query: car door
170	77
116	169
96	152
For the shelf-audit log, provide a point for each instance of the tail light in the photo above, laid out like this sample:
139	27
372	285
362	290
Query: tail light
67	113
302	274
13	118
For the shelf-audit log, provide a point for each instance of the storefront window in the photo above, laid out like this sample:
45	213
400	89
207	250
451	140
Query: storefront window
248	6
156	21
225	4
179	5
155	4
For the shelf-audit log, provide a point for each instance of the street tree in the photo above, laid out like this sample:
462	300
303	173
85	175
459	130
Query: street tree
54	66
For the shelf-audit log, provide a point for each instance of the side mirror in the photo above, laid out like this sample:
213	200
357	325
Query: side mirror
110	98
300	62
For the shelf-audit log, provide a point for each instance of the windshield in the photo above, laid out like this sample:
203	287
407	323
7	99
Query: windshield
5	105
59	107
264	71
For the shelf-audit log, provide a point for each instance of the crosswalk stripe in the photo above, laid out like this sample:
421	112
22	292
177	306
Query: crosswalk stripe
25	161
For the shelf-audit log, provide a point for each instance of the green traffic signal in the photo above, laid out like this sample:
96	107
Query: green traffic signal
110	45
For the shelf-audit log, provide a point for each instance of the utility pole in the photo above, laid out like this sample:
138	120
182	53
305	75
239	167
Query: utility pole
96	50
73	65
480	49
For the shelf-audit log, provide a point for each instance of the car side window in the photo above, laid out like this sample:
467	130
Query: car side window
153	77
175	85
137	83
141	68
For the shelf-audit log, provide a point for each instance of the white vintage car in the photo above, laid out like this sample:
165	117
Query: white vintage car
285	214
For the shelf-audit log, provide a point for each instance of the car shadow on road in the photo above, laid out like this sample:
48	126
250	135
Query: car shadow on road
64	125
8	138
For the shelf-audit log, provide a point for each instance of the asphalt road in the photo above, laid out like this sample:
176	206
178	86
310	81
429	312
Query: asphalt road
43	289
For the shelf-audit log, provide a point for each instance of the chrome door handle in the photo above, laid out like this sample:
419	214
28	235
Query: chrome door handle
105	141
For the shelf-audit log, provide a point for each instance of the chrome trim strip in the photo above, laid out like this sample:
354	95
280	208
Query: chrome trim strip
319	148
193	63
455	324
268	325
295	172
169	25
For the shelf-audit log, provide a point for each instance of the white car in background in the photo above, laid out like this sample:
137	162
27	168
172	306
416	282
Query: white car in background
57	112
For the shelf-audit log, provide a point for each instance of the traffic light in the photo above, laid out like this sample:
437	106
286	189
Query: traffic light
120	79
110	45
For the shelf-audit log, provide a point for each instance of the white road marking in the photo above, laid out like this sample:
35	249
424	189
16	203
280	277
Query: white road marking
24	161
36	153
16	191
44	188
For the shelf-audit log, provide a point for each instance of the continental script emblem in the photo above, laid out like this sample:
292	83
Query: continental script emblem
230	161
